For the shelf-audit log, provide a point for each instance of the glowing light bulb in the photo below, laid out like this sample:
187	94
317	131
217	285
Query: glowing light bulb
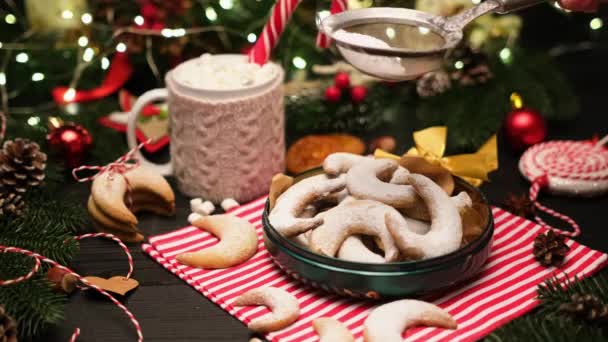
83	41
33	120
252	37
69	95
22	57
299	62
139	20
166	32
10	19
505	55
86	18
596	23
180	32
67	14
459	65
2	78
37	76
105	63
211	14
121	47
226	4
88	54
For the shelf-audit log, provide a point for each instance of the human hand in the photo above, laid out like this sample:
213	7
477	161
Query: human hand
581	5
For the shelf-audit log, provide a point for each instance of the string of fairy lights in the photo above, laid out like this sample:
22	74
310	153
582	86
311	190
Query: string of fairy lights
88	54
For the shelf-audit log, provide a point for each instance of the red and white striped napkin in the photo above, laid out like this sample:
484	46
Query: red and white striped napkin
505	288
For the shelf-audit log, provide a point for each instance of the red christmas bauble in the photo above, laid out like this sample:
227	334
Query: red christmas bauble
358	93
342	80
71	142
524	127
333	94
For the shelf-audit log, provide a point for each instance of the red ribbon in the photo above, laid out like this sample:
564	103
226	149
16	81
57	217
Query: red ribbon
119	73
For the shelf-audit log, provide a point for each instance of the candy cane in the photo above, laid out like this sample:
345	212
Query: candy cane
337	6
40	258
281	12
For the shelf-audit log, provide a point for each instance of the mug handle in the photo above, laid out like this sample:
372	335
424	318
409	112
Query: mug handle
149	96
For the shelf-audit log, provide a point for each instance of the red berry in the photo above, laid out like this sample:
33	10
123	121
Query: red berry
333	94
358	93
342	80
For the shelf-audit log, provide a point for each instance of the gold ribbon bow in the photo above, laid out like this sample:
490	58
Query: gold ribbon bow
431	143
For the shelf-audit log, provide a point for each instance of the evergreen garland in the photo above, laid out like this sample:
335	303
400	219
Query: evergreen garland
548	323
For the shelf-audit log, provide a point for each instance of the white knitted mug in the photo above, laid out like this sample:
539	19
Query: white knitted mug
224	143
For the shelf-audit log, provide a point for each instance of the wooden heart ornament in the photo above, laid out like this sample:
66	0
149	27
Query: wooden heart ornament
119	284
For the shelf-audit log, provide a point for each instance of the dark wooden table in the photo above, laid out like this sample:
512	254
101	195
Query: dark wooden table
170	310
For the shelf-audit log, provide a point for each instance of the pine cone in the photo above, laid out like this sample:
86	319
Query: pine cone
8	327
10	204
520	205
22	165
472	67
550	249
433	83
587	307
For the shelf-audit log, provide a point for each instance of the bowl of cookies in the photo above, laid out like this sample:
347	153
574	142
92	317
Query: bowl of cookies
376	227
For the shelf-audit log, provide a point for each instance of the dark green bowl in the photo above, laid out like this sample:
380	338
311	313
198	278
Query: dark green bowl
398	279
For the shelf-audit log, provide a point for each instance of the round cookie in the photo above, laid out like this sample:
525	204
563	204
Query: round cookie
575	168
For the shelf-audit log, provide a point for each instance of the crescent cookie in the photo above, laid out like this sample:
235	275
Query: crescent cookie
363	181
445	234
284	216
355	217
341	162
332	330
284	306
238	242
109	190
387	322
353	249
462	201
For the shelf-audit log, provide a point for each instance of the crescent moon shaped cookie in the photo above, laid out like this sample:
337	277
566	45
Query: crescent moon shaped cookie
462	201
575	168
341	162
363	181
238	242
284	306
109	190
361	217
284	216
445	235
332	330
353	249
387	322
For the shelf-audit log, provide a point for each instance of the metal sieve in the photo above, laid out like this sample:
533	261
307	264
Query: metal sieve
424	37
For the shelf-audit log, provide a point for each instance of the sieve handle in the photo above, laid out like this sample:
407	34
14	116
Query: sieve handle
507	6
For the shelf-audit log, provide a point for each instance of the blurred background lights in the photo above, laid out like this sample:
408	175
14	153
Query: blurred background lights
251	37
121	47
83	41
2	78
459	65
211	14
505	55
88	54
37	76
67	14
86	18
10	19
226	4
22	57
596	23
105	63
139	20
33	121
299	62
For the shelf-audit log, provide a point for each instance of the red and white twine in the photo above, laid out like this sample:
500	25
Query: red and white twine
565	161
337	6
85	283
123	164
